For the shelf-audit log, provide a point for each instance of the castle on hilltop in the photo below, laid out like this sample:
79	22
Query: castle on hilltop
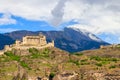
27	42
39	40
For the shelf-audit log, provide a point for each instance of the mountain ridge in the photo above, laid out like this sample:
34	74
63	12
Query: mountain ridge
5	40
68	39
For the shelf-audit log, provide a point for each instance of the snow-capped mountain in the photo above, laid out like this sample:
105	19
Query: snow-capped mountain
86	33
69	39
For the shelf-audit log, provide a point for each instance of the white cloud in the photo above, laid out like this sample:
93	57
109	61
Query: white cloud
97	16
6	19
58	13
28	9
97	13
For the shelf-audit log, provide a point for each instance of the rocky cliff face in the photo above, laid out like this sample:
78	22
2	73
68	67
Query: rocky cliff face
71	40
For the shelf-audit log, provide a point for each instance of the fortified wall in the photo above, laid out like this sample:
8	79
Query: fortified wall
38	42
110	46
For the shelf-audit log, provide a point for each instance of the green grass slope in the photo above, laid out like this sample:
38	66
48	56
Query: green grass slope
55	64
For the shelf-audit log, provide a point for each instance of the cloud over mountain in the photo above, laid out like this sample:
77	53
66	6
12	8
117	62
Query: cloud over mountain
97	16
58	13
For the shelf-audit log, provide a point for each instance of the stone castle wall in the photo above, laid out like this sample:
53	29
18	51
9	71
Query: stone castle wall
34	40
38	42
110	46
1	52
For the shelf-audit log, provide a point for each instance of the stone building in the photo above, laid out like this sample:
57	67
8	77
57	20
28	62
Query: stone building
27	42
39	40
109	46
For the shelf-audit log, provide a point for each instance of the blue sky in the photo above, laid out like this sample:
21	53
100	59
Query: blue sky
32	25
100	17
24	24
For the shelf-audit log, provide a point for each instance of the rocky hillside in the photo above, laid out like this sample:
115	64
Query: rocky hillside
70	39
56	64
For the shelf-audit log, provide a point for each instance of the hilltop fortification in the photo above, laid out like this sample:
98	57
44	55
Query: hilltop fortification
38	42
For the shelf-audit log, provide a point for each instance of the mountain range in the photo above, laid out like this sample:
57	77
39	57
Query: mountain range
69	39
5	40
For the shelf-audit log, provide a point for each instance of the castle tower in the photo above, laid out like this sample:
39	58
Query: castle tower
24	40
42	39
53	43
17	43
7	48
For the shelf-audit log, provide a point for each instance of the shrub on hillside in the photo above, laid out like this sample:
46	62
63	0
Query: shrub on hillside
12	56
